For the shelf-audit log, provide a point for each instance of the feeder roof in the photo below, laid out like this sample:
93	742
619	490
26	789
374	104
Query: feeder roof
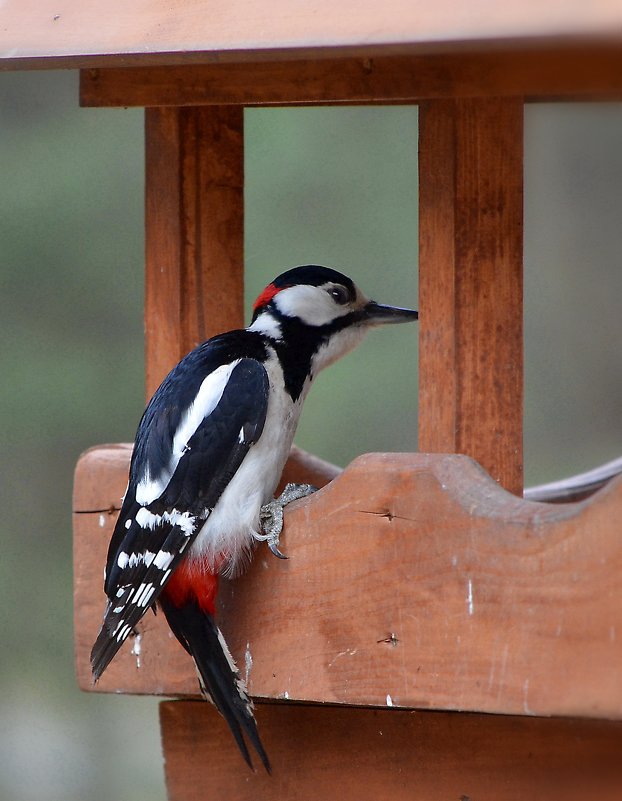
91	33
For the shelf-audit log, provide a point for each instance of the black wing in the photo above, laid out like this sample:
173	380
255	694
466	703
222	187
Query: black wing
150	539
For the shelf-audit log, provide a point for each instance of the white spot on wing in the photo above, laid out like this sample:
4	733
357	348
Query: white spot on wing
143	594
163	560
184	520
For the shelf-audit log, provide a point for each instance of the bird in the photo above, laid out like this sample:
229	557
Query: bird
207	458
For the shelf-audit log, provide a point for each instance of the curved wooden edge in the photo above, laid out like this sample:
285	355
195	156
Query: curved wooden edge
413	580
372	755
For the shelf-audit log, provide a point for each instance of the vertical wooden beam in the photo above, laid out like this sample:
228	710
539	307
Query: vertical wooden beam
470	253
194	230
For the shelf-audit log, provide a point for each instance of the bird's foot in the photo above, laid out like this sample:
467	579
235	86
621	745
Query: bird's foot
271	515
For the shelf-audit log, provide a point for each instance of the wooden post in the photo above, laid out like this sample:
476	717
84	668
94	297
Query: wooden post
471	352
194	276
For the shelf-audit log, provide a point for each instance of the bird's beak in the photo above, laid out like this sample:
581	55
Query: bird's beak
376	314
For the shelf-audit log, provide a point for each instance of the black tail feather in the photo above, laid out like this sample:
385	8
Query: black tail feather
219	676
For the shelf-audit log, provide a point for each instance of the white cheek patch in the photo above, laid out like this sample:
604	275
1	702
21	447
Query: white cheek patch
311	304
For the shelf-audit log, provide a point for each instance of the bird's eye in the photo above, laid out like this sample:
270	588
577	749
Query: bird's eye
339	294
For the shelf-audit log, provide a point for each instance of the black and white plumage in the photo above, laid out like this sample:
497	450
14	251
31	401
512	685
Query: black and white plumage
208	455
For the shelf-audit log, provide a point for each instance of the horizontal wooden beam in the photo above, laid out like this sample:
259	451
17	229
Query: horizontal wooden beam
49	33
568	72
320	752
412	580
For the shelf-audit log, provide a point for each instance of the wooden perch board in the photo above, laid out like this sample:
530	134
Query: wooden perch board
413	580
377	755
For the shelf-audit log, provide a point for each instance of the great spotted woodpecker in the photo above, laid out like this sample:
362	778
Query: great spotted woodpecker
208	455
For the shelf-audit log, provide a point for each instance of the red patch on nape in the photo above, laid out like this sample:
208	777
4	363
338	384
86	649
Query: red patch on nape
266	296
192	581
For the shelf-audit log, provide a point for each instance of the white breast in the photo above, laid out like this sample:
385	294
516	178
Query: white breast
228	531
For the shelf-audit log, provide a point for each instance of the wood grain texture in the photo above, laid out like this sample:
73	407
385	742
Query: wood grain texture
560	72
410	576
194	231
470	285
391	755
66	33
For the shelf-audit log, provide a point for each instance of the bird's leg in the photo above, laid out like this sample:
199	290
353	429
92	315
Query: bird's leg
271	515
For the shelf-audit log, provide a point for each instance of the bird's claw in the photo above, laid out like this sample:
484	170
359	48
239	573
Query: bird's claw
274	547
271	515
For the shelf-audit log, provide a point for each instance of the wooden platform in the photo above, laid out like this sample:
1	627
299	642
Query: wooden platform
413	581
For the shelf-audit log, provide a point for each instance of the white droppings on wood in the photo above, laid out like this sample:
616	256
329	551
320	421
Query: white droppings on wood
248	662
470	596
136	649
389	700
526	708
347	652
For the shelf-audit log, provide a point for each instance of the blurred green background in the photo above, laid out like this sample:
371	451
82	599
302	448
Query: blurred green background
335	186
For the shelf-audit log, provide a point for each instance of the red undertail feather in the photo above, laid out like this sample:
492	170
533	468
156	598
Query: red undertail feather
192	581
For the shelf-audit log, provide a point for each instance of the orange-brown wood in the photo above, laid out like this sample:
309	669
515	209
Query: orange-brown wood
391	755
194	231
560	72
413	580
470	258
65	33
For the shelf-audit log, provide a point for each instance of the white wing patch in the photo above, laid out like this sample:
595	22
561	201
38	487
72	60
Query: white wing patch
208	397
184	520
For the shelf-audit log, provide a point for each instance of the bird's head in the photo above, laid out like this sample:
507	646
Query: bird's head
320	309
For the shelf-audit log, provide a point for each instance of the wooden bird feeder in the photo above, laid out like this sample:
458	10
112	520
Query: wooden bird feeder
441	588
